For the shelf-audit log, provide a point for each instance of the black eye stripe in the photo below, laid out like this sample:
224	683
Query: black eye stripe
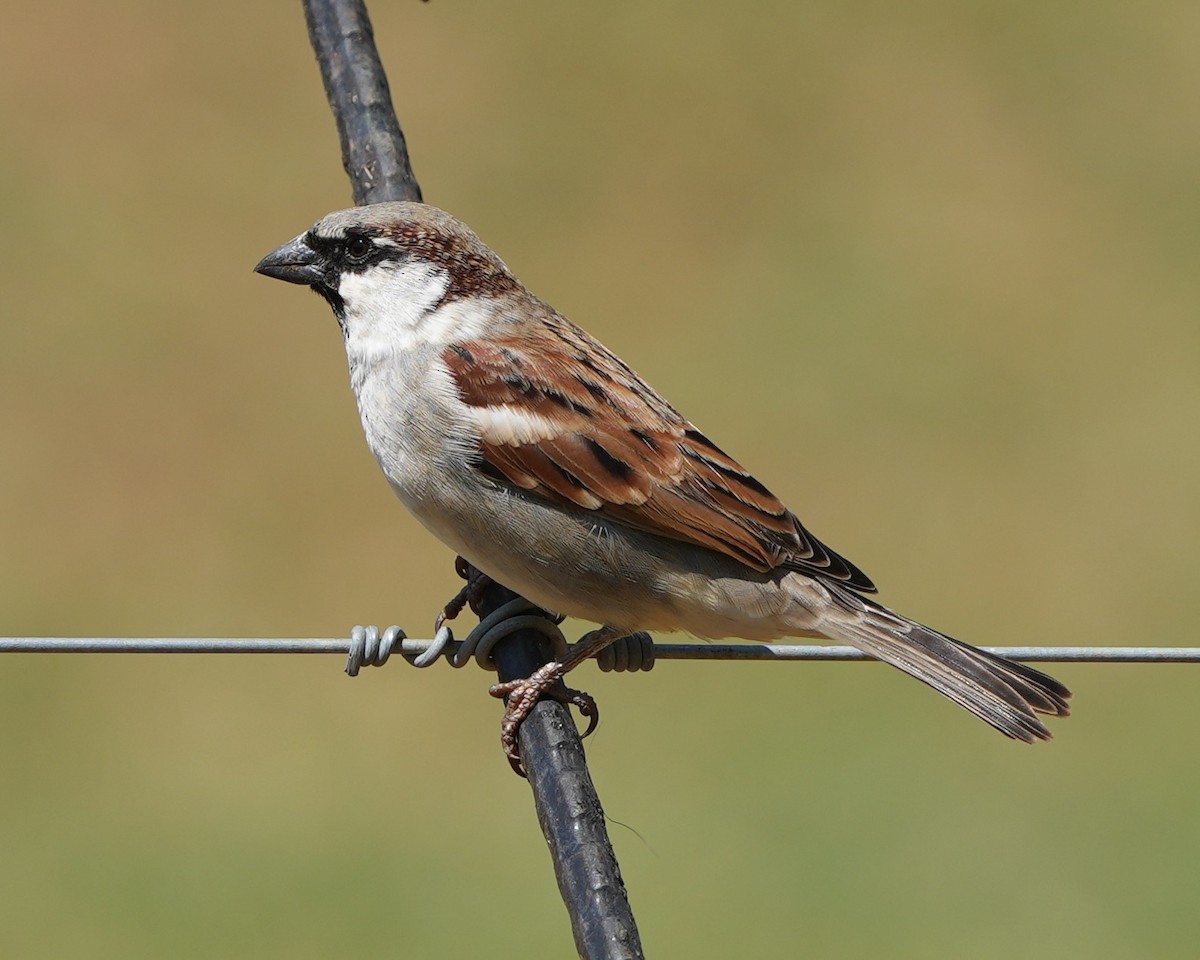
353	252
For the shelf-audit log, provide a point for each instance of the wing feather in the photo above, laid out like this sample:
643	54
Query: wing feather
562	417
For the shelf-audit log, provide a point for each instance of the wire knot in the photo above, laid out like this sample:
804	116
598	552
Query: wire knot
507	619
632	653
370	648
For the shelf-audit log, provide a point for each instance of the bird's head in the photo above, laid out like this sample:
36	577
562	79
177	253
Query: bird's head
390	264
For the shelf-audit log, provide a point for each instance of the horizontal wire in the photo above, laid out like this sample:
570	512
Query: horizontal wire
662	651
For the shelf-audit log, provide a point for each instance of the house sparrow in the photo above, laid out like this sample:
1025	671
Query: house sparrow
542	458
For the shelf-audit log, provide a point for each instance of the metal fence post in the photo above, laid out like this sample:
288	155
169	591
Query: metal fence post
376	159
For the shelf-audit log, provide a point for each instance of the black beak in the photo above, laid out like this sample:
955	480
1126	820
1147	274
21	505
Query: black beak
295	262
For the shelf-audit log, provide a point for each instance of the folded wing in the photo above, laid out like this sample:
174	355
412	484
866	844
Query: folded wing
563	418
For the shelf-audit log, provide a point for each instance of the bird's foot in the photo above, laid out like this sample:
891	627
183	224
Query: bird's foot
472	592
523	695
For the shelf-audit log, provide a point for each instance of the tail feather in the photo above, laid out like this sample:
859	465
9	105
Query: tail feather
1005	694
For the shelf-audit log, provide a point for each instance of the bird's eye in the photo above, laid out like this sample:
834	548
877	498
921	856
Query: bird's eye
358	249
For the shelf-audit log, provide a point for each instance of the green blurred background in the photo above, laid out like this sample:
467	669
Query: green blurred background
929	269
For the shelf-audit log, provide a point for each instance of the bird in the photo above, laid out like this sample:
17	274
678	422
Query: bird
538	455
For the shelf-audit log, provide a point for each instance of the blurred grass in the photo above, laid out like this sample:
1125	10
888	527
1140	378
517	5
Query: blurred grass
928	269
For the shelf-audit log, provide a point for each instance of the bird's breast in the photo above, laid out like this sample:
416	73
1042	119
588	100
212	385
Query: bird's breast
407	406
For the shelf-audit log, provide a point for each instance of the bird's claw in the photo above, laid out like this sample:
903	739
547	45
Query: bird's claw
472	592
523	695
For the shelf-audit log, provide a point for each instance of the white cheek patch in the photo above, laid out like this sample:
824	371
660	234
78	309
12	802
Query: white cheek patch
457	321
393	307
510	426
385	305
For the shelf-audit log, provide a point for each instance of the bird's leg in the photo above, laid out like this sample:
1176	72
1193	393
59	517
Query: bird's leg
471	592
547	681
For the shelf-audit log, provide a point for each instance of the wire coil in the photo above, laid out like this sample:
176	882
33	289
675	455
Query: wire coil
371	648
629	654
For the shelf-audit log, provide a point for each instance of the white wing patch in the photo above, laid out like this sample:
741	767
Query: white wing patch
511	426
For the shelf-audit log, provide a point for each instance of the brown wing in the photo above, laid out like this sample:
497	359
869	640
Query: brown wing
562	417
